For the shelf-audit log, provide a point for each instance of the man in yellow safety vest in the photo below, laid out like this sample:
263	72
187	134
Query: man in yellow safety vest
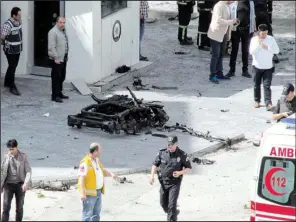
91	184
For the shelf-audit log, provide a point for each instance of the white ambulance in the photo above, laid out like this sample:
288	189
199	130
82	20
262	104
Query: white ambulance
273	195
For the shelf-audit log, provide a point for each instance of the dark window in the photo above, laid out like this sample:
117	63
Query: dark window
110	7
277	180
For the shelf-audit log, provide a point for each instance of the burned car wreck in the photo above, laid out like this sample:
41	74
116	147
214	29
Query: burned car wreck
120	113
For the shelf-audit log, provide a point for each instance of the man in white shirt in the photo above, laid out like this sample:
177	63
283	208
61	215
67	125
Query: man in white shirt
262	49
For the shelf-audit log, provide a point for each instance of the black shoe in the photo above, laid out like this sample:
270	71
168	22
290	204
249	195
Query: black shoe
62	96
247	74
178	212
189	38
186	42
230	74
214	79
57	99
275	59
221	76
6	85
14	91
204	48
143	58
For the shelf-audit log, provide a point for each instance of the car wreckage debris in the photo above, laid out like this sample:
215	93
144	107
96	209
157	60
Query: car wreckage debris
189	130
138	85
120	113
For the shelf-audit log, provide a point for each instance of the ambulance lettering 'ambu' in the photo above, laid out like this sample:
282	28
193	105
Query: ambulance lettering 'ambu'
282	152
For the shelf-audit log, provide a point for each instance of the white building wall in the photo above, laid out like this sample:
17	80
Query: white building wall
93	53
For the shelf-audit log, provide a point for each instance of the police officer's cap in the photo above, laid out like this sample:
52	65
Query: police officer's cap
288	88
172	140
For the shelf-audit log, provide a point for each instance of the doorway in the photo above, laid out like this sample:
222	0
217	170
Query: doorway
45	15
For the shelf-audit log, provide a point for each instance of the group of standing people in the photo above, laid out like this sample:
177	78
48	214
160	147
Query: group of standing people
223	23
58	47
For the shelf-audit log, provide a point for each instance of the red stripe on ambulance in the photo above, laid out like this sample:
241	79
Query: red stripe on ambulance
273	217
268	208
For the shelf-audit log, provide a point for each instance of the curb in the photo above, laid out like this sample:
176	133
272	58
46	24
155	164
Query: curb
211	149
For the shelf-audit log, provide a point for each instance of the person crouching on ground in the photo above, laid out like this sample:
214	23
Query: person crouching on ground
219	33
262	49
286	105
91	184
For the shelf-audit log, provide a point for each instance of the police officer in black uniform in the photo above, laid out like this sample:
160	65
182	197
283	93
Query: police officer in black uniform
185	9
263	12
204	9
172	163
11	38
286	105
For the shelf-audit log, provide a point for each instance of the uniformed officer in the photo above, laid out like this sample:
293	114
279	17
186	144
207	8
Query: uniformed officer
12	40
185	9
204	9
286	105
172	164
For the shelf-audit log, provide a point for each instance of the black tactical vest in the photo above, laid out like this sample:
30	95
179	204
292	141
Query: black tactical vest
13	43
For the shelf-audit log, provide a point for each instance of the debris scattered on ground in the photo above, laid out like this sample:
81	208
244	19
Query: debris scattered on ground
189	130
268	121
203	161
120	113
138	85
123	69
291	43
287	49
164	87
224	110
52	185
42	158
124	180
21	105
159	135
46	115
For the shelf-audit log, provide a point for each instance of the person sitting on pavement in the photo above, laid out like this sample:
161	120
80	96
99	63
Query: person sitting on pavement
286	105
262	49
218	34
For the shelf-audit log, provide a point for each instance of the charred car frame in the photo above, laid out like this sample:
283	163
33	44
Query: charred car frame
120	113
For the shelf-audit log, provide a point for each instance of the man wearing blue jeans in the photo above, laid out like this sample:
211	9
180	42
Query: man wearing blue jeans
216	65
143	15
91	184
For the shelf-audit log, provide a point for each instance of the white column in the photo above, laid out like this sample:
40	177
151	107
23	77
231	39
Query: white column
83	18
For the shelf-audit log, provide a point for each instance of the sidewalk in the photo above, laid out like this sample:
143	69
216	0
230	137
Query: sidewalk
213	192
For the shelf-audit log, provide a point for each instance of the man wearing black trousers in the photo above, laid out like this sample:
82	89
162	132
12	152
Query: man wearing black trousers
185	9
245	13
204	9
58	48
11	38
262	49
